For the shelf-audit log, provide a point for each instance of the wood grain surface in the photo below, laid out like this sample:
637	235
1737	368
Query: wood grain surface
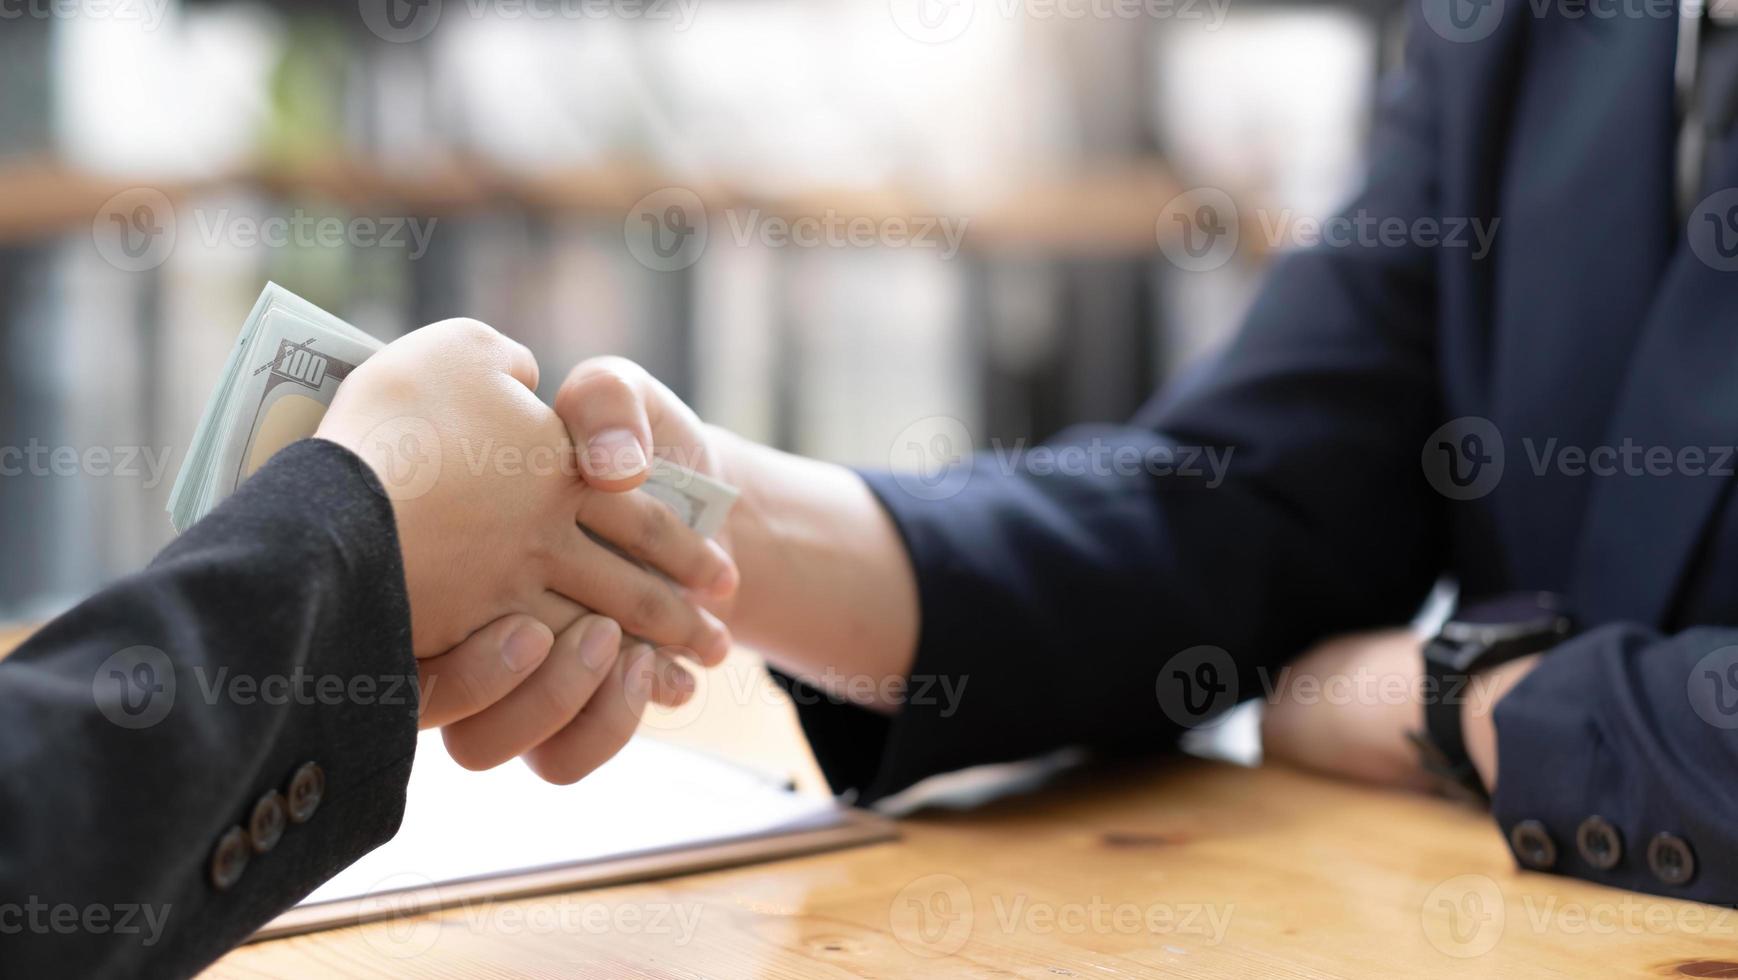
1179	869
1189	869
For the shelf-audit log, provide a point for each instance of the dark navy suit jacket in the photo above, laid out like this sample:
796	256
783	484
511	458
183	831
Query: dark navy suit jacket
1067	601
1070	606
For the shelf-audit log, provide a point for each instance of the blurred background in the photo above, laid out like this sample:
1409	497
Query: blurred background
822	222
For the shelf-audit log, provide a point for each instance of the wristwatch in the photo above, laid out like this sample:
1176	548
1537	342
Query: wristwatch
1478	637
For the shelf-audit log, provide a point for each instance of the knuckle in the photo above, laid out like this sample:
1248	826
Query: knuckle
653	529
585	507
464	329
471	328
601	380
614	365
568	397
560	702
474	692
651	607
394	378
546	550
610	387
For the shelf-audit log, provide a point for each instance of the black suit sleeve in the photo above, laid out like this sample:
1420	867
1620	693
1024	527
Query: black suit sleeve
141	727
1635	730
1066	596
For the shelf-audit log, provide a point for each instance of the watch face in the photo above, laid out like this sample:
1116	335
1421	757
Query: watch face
1503	610
1458	649
1482	627
1488	634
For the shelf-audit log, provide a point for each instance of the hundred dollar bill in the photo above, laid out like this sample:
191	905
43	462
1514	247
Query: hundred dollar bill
700	501
281	375
280	378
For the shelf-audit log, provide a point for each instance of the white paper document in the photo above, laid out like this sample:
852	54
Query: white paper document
461	825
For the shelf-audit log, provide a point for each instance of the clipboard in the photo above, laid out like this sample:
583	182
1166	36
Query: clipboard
654	811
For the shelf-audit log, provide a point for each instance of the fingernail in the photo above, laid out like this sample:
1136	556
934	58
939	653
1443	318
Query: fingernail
639	679
728	578
595	645
718	645
522	648
677	678
614	454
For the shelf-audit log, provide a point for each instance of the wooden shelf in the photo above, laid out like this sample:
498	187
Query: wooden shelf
1103	211
39	198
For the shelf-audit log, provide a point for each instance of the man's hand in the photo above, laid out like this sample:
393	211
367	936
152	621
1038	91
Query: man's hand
474	465
826	590
1345	708
619	417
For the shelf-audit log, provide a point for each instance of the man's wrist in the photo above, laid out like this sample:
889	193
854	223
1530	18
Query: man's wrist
747	534
827	584
729	457
722	450
1478	715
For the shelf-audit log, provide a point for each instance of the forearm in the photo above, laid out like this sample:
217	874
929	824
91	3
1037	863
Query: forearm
1369	738
273	634
828	592
1620	727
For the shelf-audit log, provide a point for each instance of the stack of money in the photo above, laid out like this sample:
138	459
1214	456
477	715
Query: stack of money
281	377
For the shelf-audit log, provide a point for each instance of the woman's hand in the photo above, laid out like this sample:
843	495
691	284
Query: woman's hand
566	702
475	467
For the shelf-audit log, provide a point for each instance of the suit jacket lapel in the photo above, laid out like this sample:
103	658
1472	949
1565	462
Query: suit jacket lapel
1680	397
1586	236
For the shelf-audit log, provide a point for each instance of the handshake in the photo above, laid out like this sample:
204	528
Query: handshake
533	637
548	602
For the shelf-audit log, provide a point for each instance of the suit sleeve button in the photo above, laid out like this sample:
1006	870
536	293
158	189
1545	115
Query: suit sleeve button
1670	859
1600	843
266	824
307	787
1533	845
229	859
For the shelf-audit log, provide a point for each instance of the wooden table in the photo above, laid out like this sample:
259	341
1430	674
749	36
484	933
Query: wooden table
1183	869
1192	869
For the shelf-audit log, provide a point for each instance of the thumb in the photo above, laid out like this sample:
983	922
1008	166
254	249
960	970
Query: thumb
603	405
482	670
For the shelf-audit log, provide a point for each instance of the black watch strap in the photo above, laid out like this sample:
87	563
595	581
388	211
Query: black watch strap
1479	637
1442	744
